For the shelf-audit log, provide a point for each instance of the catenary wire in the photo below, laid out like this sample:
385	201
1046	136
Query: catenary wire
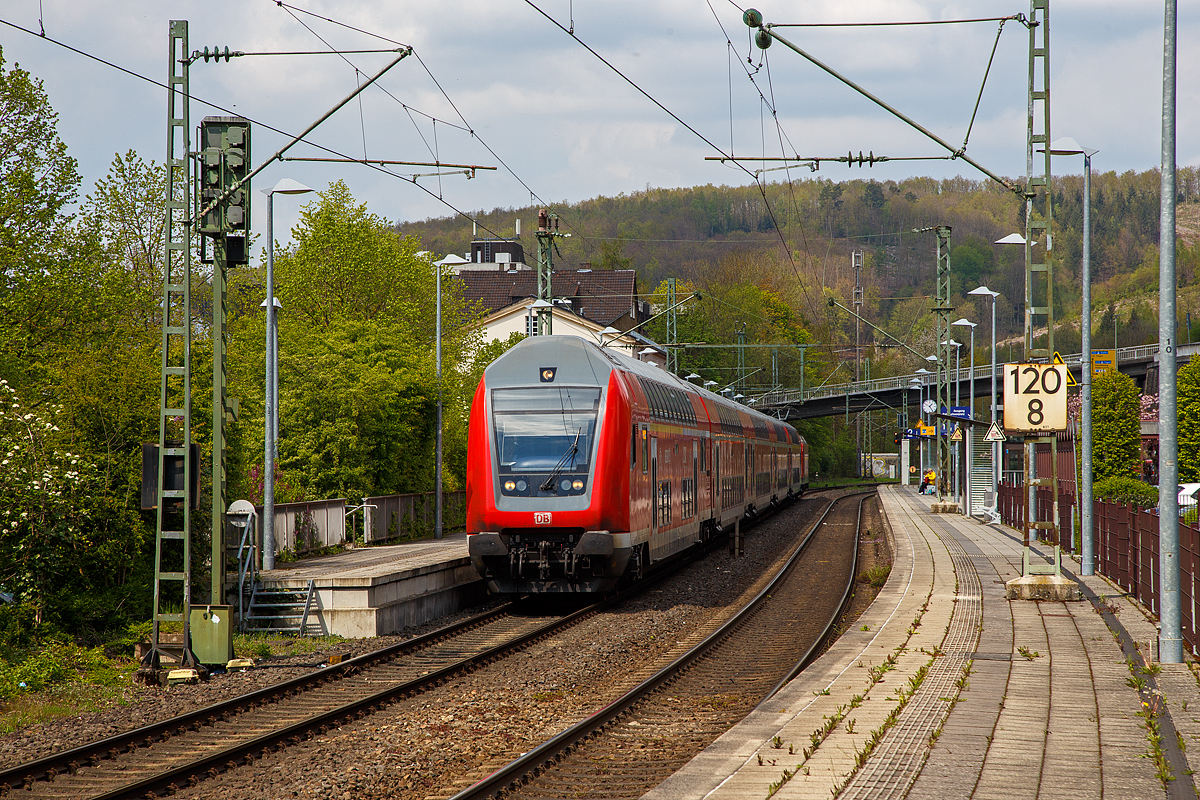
775	222
468	129
231	112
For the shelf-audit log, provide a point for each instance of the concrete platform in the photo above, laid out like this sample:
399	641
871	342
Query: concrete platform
945	689
377	591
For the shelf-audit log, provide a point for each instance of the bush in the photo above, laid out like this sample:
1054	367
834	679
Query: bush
1126	490
56	663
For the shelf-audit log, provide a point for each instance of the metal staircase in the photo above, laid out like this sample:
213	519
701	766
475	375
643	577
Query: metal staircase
282	611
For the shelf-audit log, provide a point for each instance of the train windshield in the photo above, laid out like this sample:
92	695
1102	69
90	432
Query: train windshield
545	430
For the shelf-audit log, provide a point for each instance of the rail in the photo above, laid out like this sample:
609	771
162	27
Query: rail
546	753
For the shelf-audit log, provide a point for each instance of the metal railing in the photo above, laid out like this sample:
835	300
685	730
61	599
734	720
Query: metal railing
788	396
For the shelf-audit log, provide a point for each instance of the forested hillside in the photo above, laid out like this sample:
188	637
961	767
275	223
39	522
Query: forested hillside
800	235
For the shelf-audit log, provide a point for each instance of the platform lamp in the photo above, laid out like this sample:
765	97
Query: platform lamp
915	383
964	322
438	530
958	402
690	377
983	291
271	384
921	407
1067	146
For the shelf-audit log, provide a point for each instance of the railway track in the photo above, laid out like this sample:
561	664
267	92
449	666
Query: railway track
640	739
165	757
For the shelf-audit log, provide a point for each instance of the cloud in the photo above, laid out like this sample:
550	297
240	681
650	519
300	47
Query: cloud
569	126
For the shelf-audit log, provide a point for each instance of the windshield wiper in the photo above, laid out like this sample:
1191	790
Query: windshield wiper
567	457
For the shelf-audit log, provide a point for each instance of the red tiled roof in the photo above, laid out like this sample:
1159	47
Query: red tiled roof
600	295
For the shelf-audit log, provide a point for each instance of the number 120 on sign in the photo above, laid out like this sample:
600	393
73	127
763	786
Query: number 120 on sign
1035	397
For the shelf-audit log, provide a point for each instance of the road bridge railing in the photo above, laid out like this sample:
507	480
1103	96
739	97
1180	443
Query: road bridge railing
784	397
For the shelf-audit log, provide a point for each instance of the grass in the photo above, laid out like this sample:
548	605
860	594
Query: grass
57	679
876	575
265	645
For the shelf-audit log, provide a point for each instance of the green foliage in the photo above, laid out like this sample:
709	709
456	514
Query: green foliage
1188	404
357	373
360	410
1116	422
55	663
1123	489
45	503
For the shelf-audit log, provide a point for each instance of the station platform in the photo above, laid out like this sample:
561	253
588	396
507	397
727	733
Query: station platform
944	689
378	591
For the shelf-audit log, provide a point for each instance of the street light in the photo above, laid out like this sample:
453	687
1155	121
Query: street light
271	384
438	266
915	383
921	407
983	291
954	465
964	322
1069	147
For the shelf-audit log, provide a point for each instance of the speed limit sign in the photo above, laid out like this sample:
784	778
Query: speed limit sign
1035	397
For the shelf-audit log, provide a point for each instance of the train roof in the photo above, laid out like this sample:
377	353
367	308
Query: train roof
578	361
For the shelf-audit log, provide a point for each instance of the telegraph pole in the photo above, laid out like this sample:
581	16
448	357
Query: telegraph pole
175	455
225	163
547	232
672	327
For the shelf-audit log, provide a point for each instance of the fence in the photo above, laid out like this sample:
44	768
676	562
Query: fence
304	527
406	516
1126	550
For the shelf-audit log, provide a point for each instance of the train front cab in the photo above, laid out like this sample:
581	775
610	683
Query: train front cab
548	475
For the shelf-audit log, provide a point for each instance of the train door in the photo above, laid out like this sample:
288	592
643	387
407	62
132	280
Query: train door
653	487
715	484
695	476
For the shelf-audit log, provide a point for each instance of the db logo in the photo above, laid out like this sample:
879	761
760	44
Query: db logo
542	518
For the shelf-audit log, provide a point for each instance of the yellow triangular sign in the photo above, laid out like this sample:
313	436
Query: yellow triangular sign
1070	378
957	435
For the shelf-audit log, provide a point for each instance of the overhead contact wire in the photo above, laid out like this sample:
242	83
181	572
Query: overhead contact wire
231	112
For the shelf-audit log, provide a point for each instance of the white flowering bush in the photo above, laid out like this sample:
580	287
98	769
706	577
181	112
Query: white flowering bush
45	502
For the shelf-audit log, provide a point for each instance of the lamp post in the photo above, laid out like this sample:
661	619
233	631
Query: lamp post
1028	451
921	409
933	399
437	477
955	466
915	383
271	384
971	413
1069	147
981	291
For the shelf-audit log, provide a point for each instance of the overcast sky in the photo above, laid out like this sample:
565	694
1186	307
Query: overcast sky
568	127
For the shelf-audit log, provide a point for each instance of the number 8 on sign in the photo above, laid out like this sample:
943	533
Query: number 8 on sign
1035	397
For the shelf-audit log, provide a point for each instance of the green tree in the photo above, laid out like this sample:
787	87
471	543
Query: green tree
45	503
357	373
1116	421
1188	403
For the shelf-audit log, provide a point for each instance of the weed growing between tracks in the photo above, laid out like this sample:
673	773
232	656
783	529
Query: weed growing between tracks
876	675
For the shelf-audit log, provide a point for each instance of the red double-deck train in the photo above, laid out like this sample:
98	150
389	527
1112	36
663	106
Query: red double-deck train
585	466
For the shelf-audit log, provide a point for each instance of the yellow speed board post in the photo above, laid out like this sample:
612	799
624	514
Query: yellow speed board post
1035	397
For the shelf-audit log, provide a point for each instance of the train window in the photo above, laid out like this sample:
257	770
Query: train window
645	449
544	429
633	447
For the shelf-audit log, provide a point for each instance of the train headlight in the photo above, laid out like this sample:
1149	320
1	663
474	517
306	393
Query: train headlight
577	485
522	486
565	485
510	485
